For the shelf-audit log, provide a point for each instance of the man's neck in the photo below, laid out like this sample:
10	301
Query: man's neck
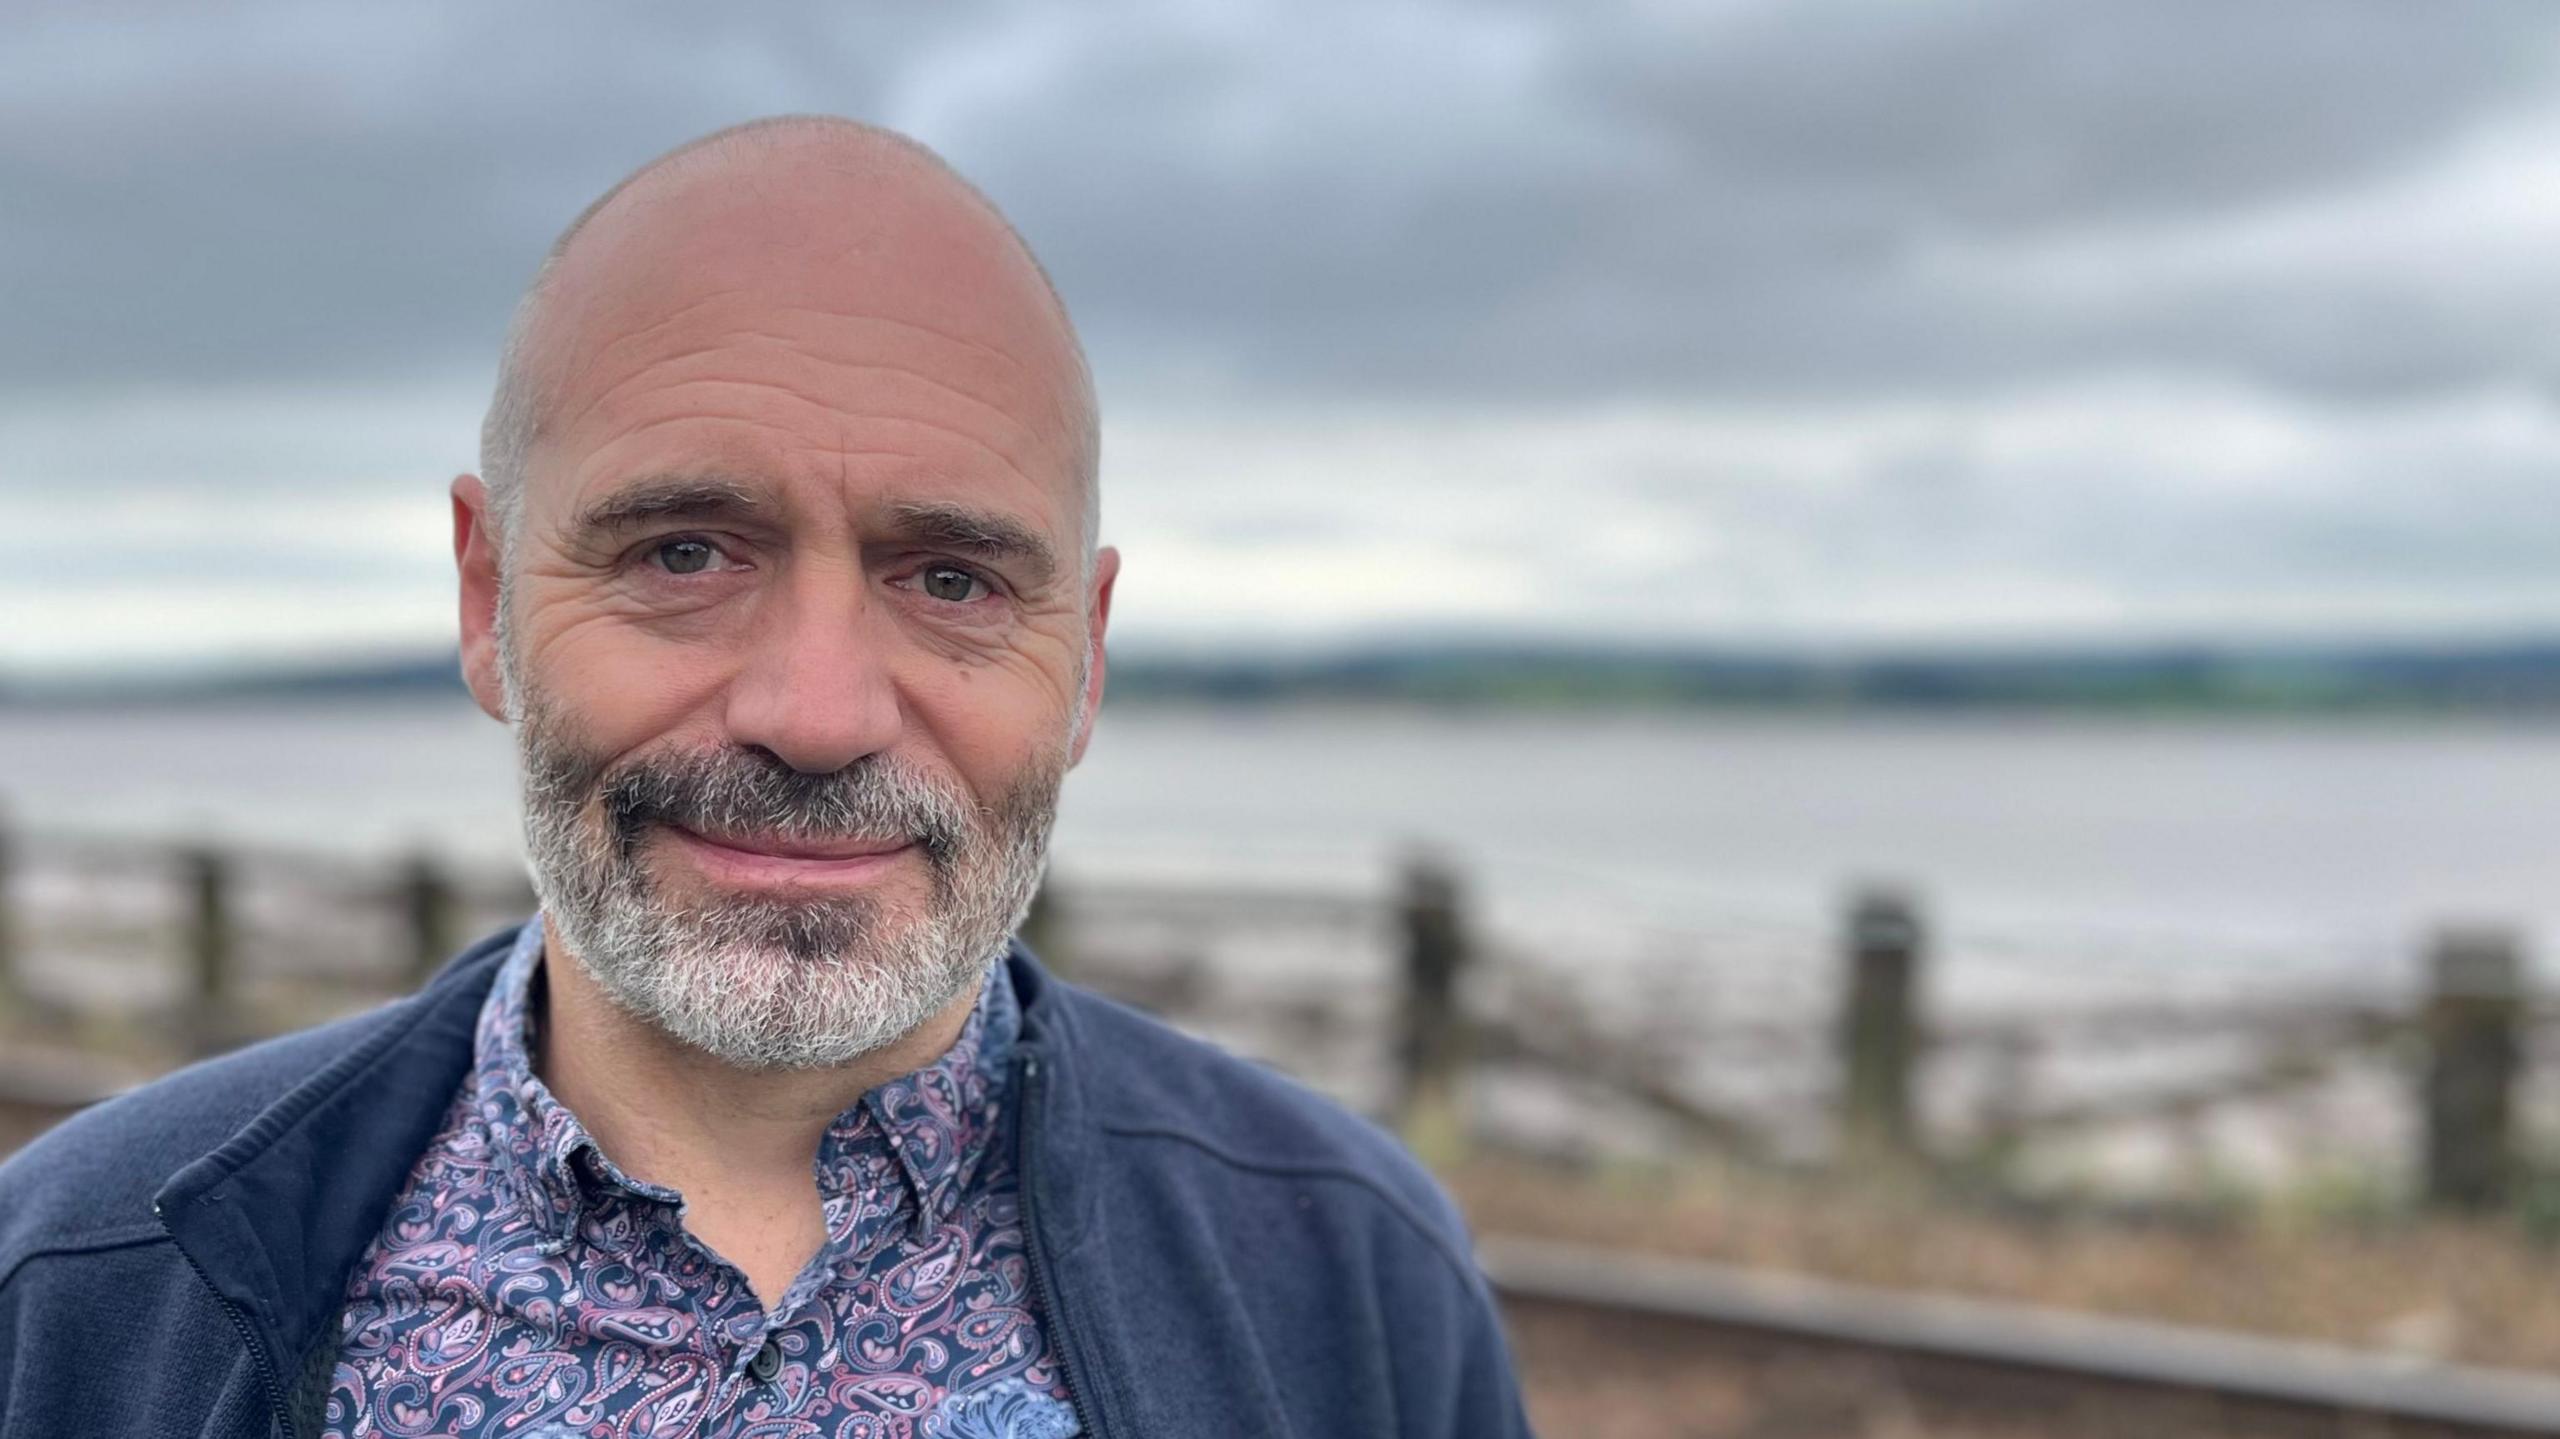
741	1146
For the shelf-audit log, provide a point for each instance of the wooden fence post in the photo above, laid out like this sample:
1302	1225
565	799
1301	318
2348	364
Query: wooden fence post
2474	1037
430	907
209	1021
1879	1027
1433	1043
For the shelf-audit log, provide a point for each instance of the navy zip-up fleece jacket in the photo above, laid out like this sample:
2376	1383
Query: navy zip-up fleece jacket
1219	1251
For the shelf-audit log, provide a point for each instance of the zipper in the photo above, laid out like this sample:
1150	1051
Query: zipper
240	1322
1044	1286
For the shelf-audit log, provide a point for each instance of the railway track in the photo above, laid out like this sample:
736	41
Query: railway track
1972	1366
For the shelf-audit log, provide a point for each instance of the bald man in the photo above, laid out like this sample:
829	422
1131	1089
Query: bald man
782	566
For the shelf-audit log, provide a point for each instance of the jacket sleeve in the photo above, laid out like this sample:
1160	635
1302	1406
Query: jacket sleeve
1487	1399
1477	1395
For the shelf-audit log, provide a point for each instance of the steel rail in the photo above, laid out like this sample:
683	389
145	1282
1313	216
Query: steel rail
2026	1340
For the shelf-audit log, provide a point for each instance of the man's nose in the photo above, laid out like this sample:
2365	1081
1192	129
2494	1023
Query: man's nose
814	685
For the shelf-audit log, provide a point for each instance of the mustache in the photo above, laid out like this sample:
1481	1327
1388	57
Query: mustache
739	791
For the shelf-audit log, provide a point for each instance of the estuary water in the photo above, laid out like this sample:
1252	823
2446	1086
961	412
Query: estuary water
2337	844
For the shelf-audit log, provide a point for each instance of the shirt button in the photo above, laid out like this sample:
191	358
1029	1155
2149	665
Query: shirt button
767	1363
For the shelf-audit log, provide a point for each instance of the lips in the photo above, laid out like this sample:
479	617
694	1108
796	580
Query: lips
775	847
776	865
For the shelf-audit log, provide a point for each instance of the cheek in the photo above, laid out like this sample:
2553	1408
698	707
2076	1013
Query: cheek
623	687
991	721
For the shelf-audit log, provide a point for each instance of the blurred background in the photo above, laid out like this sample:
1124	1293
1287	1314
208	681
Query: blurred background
1846	654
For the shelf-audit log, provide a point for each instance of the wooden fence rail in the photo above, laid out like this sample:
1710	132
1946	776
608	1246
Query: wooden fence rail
2470	1028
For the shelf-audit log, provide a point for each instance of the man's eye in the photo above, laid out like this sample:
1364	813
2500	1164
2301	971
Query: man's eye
948	582
685	557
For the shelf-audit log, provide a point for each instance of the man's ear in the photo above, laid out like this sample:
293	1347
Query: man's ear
1106	570
475	555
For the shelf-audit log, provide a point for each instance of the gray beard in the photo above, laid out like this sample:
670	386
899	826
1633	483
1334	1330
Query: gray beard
773	982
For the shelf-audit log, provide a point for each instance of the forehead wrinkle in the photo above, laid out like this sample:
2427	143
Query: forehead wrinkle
815	403
884	367
799	439
606	348
610	343
603	349
551	351
793	436
952	337
1025	429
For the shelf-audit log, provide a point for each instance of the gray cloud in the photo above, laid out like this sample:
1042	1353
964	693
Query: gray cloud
1735	318
1437	199
2059	112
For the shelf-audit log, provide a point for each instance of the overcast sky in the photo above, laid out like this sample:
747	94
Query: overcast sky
1731	322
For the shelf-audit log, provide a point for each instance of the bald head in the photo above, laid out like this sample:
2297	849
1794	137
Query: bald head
809	216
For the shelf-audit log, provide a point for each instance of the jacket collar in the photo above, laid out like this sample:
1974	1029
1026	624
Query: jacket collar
278	1216
1053	1101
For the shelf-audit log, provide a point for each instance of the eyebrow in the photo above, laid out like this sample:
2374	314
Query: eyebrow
667	499
986	534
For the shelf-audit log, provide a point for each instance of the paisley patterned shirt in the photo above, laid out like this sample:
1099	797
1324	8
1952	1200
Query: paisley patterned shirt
526	1286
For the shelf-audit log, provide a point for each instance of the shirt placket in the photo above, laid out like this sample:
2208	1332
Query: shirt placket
854	1217
729	1324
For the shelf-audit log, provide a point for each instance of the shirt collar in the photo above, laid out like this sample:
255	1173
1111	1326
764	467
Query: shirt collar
932	1129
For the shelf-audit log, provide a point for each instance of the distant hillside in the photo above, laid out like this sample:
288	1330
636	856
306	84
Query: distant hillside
418	675
2515	677
2492	678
